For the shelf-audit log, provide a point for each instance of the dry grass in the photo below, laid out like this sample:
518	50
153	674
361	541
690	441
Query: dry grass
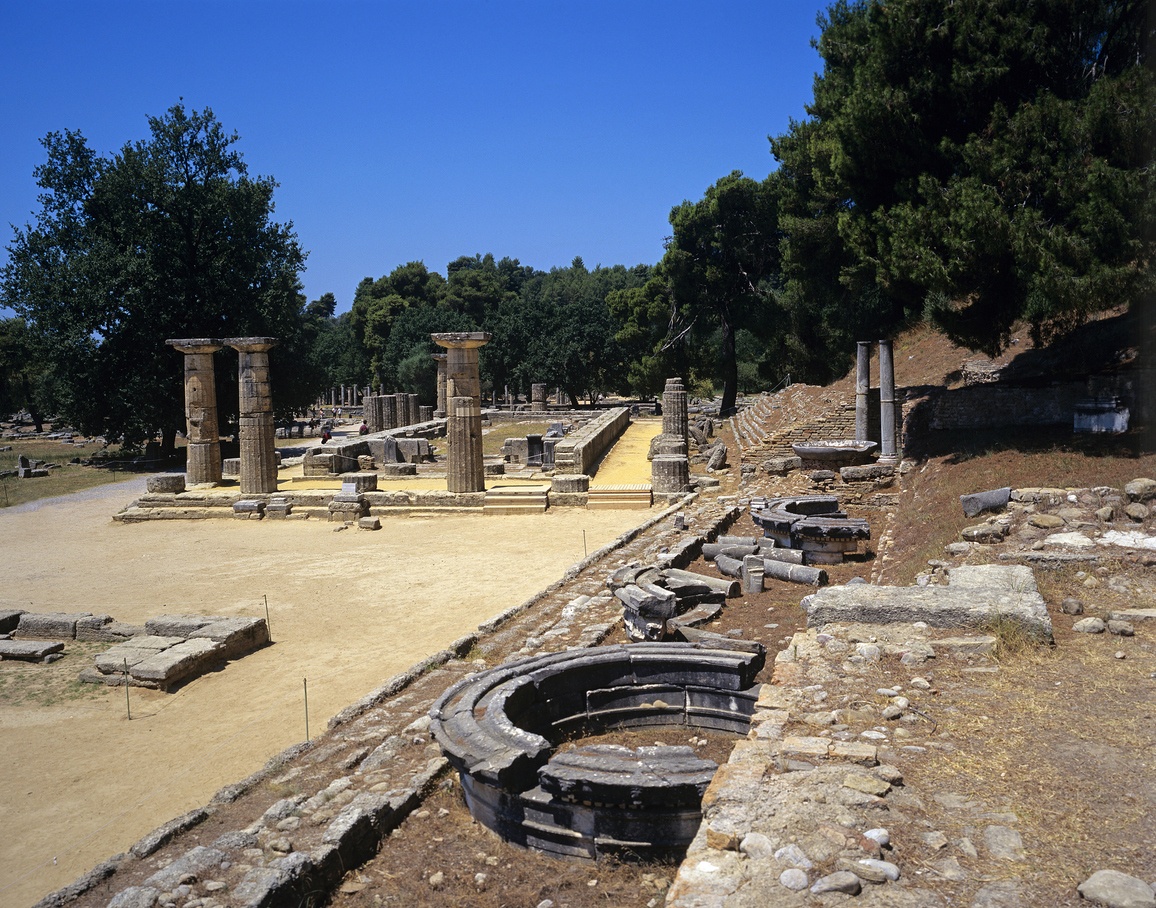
54	684
64	479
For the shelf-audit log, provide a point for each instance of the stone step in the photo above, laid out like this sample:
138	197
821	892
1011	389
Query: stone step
529	499
624	497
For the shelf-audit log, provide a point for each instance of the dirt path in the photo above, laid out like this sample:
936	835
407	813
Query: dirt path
347	610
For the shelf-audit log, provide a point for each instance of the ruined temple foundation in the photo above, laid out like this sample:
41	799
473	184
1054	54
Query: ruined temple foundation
257	432
203	465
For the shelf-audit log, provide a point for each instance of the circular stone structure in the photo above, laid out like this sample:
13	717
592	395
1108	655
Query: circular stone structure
500	730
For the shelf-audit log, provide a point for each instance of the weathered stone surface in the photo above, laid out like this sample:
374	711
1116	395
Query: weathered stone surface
29	650
171	483
1114	889
867	473
175	664
975	595
176	625
781	466
49	625
991	500
985	533
1141	489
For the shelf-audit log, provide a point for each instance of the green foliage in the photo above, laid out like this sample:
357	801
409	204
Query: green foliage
721	266
169	237
978	162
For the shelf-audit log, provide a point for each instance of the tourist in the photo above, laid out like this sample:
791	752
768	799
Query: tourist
364	430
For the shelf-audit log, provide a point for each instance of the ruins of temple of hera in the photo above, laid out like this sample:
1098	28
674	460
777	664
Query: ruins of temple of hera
255	411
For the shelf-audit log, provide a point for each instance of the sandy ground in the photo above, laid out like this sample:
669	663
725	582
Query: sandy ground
347	611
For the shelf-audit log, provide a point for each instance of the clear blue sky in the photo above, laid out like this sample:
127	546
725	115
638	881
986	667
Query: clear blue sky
538	130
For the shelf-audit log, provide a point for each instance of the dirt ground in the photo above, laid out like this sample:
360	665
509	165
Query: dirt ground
348	609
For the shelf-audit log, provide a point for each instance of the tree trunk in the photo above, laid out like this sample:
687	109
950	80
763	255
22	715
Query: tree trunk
730	369
168	442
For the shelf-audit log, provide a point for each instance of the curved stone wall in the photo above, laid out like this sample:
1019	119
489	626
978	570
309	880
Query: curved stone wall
500	729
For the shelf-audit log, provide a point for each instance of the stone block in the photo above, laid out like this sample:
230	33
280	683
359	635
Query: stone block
9	619
781	466
29	650
177	663
978	502
399	469
570	483
249	509
110	632
239	636
975	596
278	508
173	483
369	523
177	625
231	466
358	482
49	625
867	473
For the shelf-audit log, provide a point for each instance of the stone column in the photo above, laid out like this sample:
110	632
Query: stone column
887	453
413	408
203	466
669	473
440	409
674	414
538	397
388	412
258	450
862	388
465	470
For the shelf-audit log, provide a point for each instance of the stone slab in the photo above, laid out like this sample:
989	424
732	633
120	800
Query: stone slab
29	650
976	596
175	664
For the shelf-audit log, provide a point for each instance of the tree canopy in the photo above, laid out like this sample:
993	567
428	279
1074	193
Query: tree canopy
169	237
978	162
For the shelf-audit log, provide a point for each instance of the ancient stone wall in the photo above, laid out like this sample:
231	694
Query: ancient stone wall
582	449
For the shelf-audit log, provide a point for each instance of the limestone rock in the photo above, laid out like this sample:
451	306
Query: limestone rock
985	533
839	881
1141	489
1137	512
1089	626
1114	889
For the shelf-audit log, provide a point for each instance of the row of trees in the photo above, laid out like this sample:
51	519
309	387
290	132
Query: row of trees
976	164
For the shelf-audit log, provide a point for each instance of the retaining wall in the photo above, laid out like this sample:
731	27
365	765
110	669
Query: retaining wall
579	451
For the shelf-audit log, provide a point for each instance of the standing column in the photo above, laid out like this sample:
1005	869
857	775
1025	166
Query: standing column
466	470
538	397
887	452
203	465
440	410
674	410
388	412
412	409
258	450
862	388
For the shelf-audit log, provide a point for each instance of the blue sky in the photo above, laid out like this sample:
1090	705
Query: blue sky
426	130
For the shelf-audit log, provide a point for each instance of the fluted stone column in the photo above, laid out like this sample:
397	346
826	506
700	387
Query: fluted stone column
440	409
413	408
258	449
388	412
669	473
862	389
887	452
203	466
674	412
465	470
538	397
